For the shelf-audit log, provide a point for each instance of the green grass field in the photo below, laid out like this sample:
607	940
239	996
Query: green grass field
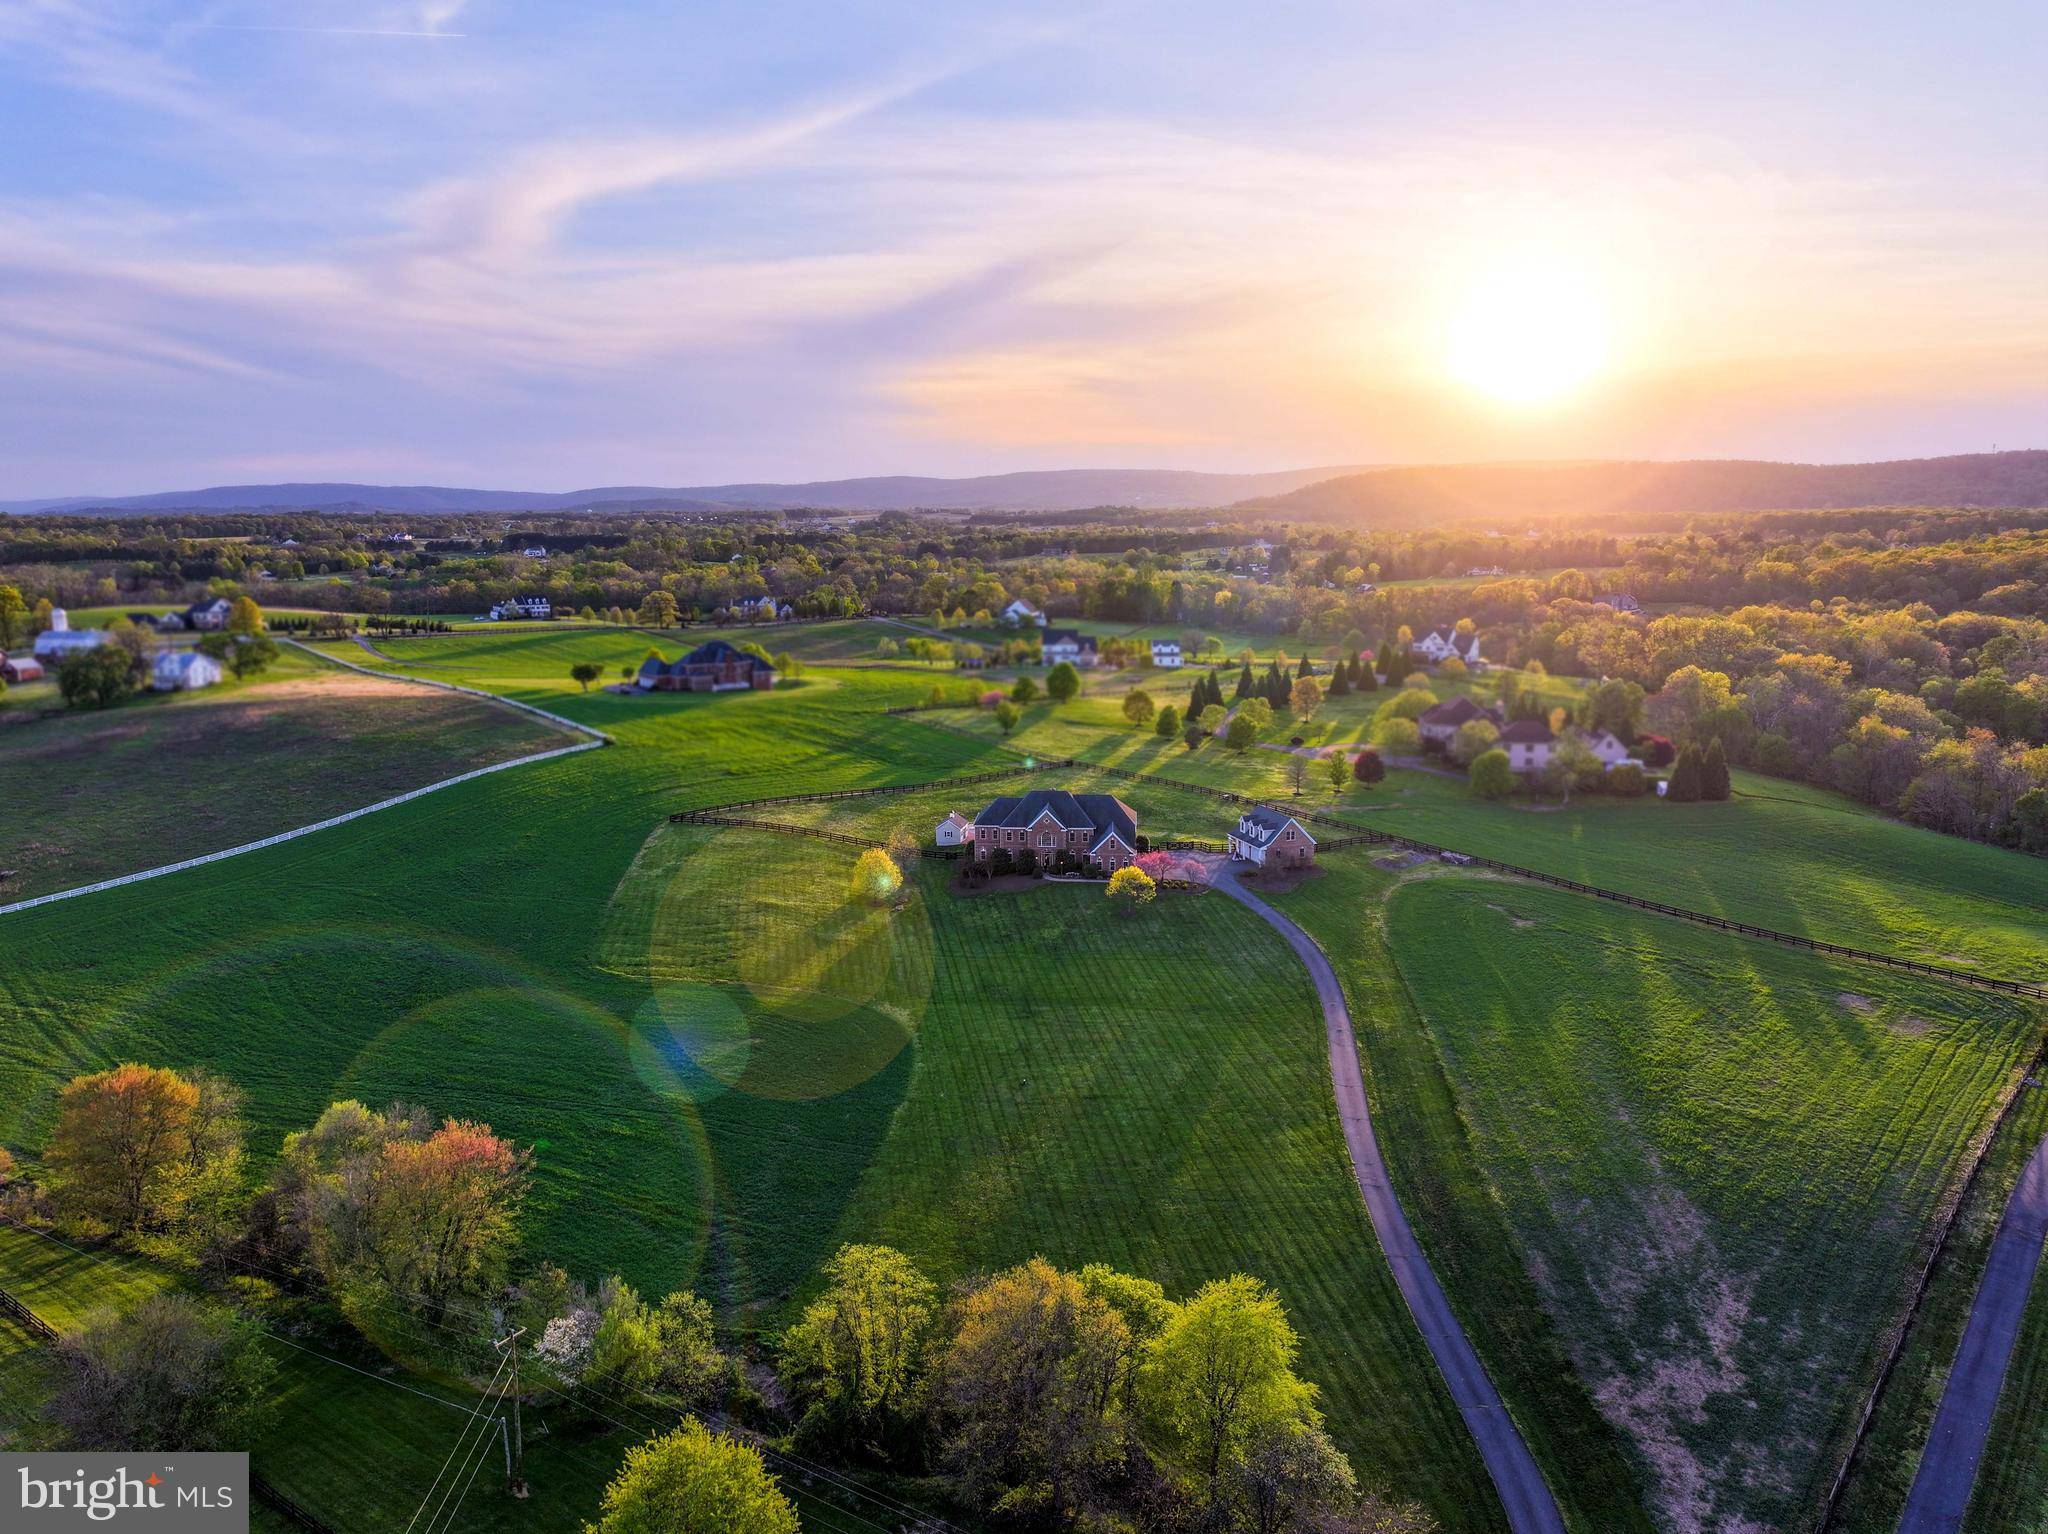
726	1069
1795	859
1721	1161
2012	1485
95	793
2016	1462
1005	1075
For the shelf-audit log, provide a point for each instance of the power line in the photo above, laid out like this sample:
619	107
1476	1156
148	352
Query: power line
450	1459
476	1465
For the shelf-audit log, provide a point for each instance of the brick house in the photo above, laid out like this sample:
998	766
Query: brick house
712	667
1272	839
1092	828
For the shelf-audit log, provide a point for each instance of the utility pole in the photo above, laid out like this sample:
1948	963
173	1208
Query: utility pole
515	1452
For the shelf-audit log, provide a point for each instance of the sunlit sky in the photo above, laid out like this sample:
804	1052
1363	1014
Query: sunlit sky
551	245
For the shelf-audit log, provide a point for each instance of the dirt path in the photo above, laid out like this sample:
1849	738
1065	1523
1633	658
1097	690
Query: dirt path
1530	1507
1955	1444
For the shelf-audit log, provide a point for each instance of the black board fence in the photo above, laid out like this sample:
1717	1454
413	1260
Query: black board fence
1354	835
14	1310
289	1508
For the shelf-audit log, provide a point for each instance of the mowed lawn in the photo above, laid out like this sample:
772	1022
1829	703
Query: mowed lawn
1780	855
95	793
980	1078
1722	1163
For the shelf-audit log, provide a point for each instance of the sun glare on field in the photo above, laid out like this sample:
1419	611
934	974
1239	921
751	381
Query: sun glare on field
1530	336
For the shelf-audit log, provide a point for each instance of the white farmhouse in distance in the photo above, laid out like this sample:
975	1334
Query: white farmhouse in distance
1166	654
1021	614
1442	642
183	671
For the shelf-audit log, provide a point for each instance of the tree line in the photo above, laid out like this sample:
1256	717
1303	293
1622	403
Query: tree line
1037	1398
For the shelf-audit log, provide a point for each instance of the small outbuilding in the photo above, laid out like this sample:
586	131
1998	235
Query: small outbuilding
20	668
954	829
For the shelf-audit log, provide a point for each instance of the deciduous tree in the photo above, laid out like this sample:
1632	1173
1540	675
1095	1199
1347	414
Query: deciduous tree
693	1481
1397	737
169	1375
1138	706
1474	737
1220	1375
858	1352
133	1144
395	1211
584	672
1491	776
1063	682
1131	887
97	677
876	878
244	616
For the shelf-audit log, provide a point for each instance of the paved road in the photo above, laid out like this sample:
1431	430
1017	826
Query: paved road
1530	1507
1948	1466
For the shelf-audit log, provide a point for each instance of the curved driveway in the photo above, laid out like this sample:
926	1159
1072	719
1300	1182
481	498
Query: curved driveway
1948	1465
1530	1507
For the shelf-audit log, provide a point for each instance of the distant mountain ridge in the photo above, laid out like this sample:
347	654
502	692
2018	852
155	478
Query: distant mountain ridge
1417	494
1399	495
1031	490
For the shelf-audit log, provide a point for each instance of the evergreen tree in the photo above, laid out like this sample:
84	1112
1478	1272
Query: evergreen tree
1340	680
1306	668
1714	772
1244	684
1684	787
1385	663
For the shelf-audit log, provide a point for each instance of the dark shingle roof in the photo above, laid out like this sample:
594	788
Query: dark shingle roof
1069	636
1455	712
716	652
1096	813
1262	826
1527	732
713	652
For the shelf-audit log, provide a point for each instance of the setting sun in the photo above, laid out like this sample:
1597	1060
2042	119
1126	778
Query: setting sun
1528	337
